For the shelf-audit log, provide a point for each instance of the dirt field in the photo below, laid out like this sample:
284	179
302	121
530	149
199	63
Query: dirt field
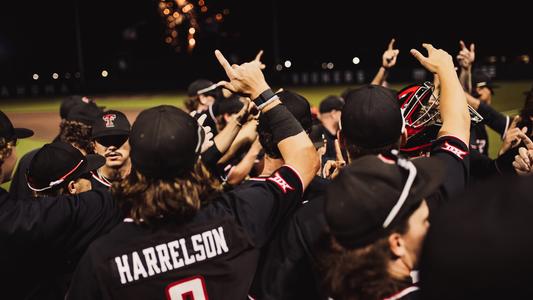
46	124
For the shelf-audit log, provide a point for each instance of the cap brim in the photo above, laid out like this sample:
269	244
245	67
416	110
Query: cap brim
94	162
22	133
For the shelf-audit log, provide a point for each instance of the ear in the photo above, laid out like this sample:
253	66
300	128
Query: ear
71	187
202	99
397	245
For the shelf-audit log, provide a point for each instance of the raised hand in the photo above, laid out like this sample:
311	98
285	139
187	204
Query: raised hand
437	60
208	135
258	59
246	78
523	161
390	55
466	56
513	136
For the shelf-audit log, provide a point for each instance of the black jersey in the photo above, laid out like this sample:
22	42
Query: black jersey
213	256
99	182
42	240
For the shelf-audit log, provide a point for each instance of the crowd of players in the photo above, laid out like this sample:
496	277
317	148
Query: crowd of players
249	193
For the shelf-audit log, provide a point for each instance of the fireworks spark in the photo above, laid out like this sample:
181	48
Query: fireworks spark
183	18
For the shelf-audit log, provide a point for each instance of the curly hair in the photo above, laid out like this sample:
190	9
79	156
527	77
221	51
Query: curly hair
77	134
6	148
148	200
360	273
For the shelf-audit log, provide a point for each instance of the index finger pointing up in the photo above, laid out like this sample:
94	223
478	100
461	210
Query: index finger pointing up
225	64
391	44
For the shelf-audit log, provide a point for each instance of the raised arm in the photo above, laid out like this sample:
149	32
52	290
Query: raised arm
295	146
466	58
388	60
453	107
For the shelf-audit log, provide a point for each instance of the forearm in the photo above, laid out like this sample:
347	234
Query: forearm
293	143
381	76
225	138
465	77
472	101
243	168
246	136
453	106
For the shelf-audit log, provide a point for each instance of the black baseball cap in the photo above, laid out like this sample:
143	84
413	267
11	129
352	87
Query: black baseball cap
69	102
10	133
298	106
479	245
86	113
371	117
203	87
111	122
231	105
58	163
165	142
482	79
331	103
365	200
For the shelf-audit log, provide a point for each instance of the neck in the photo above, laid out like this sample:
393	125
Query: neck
331	126
271	165
399	270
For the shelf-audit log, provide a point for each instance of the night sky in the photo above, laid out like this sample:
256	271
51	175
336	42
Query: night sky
40	36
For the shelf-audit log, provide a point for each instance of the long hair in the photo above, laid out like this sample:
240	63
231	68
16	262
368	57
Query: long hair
360	273
149	200
77	134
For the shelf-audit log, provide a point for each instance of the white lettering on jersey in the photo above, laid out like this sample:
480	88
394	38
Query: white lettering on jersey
138	268
220	240
123	268
198	247
164	257
173	247
188	259
283	185
171	255
151	261
454	150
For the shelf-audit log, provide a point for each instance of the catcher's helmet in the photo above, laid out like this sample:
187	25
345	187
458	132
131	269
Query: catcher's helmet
420	109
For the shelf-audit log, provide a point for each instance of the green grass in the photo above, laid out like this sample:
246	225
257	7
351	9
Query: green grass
24	146
508	99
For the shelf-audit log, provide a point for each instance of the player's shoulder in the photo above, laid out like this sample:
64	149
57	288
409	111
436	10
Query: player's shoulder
285	180
450	145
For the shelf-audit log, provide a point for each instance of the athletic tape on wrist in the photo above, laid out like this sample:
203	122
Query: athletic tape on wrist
281	122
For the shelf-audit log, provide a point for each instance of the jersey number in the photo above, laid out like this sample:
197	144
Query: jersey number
192	288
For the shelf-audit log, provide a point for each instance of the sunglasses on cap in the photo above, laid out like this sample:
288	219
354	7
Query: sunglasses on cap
112	140
410	167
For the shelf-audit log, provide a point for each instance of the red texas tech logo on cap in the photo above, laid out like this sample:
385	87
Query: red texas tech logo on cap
109	118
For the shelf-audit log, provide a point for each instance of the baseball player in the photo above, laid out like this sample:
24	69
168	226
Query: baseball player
182	238
377	216
110	136
75	129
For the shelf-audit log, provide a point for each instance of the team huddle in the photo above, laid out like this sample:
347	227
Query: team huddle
249	193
